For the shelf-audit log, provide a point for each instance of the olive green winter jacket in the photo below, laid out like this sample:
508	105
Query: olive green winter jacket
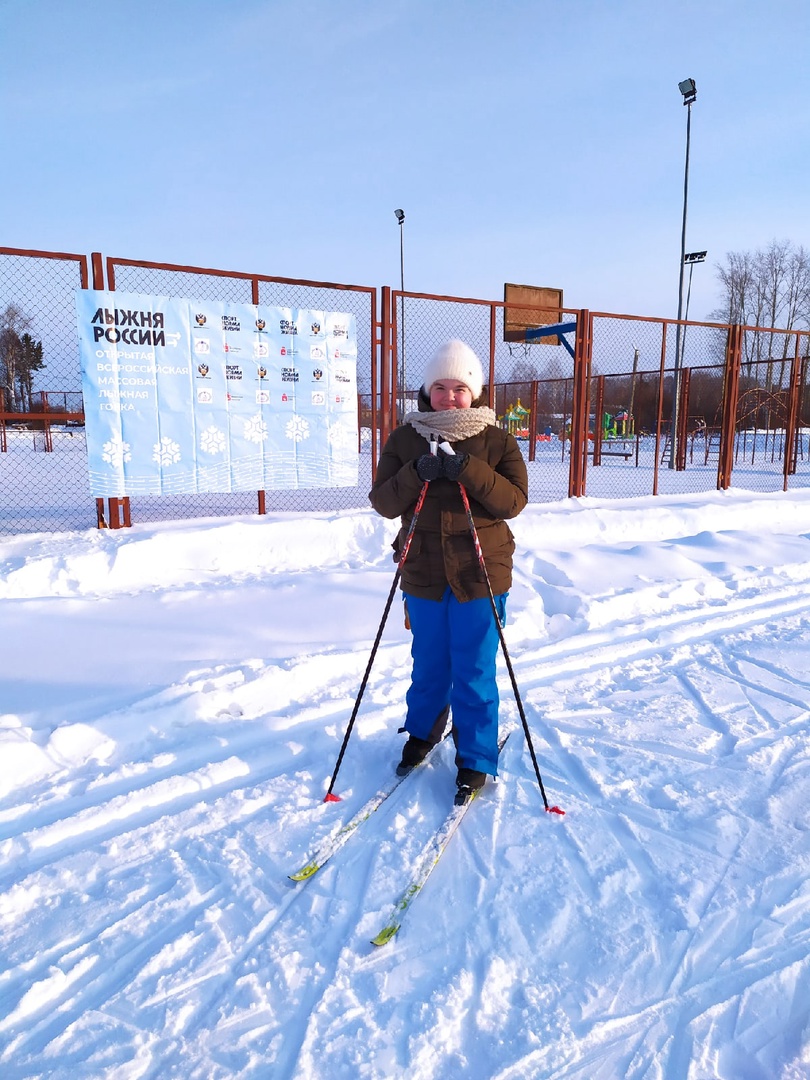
442	550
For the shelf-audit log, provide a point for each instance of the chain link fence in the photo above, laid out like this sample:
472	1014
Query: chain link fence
655	395
762	455
655	398
43	456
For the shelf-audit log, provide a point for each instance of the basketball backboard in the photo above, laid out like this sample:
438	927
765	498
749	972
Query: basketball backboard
527	306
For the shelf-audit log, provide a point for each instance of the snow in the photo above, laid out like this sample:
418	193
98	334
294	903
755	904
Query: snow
174	700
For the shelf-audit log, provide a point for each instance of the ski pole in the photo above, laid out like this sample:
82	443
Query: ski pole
480	554
329	797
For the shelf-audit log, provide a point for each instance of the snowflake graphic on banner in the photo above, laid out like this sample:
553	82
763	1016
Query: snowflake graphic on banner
297	429
166	452
339	436
116	452
255	429
212	440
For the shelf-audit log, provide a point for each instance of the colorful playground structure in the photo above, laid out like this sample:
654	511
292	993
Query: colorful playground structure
619	425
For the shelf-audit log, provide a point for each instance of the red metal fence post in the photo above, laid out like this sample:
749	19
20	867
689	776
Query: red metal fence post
492	346
376	412
579	412
598	425
98	270
728	423
387	382
660	407
792	422
119	513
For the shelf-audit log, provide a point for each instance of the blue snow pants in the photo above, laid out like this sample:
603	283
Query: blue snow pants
454	650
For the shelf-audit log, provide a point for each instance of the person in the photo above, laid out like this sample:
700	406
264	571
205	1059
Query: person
448	607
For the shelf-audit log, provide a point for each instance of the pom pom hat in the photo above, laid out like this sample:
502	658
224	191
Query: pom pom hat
455	362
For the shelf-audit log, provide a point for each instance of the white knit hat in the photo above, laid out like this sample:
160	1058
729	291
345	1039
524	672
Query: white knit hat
455	360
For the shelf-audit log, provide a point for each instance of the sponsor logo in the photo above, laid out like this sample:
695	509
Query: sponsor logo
260	348
231	348
202	346
260	325
287	326
289	374
233	371
317	352
341	375
340	330
262	372
315	329
204	395
230	322
203	370
318	397
317	374
262	397
200	319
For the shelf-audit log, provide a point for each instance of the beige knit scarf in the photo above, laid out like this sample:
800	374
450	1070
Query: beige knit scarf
451	424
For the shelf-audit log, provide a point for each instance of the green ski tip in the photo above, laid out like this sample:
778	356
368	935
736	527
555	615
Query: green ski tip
385	935
305	872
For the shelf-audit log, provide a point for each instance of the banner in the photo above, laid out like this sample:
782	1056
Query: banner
191	396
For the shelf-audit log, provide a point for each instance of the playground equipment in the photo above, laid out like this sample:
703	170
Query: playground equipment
618	426
517	420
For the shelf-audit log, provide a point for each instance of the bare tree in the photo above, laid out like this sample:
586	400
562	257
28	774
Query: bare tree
13	324
768	289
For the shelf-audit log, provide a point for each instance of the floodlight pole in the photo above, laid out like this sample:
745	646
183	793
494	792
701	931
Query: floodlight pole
400	216
689	91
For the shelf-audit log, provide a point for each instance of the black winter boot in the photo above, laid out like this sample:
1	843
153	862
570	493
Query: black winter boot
467	782
414	753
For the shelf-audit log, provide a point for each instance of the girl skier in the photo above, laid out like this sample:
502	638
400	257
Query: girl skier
455	639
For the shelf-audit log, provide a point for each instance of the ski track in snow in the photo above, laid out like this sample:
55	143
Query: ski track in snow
170	943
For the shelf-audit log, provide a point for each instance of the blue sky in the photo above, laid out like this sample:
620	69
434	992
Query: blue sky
534	142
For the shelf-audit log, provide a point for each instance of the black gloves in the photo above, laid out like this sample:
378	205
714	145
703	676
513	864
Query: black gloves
428	467
432	466
452	464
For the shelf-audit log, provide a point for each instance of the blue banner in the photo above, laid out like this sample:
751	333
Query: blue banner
192	396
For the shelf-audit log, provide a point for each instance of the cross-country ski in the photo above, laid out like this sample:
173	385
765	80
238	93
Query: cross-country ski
427	861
